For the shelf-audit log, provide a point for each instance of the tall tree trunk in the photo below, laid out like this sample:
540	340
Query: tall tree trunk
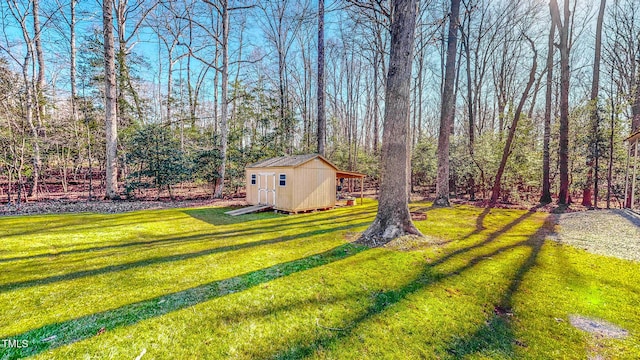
224	47
72	69
216	95
471	122
611	144
170	88
393	218
236	86
447	109
284	126
595	118
495	192
111	120
40	83
563	146
376	109
545	197
420	90
30	95
193	101
322	122
125	83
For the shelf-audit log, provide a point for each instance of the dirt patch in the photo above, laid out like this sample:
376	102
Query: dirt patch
599	331
412	242
418	216
598	327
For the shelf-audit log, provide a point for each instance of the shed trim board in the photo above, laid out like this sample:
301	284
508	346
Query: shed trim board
290	161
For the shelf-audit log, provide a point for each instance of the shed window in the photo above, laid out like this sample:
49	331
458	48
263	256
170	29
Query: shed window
253	179
283	179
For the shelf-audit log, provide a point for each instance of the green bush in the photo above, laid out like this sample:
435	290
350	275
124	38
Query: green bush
156	160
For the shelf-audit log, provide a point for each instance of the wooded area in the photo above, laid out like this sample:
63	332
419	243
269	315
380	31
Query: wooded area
514	102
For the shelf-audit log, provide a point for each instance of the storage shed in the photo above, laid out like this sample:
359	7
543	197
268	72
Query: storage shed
293	183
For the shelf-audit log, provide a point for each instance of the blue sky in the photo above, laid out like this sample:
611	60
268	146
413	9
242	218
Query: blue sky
89	15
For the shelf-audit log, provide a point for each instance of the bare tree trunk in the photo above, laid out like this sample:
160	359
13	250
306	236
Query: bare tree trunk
595	119
376	109
495	192
305	92
72	69
170	89
236	84
635	105
420	90
322	121
471	122
284	126
393	218
30	96
611	135
124	11
564	46
216	95
447	109
193	102
40	83
111	121
224	47
545	197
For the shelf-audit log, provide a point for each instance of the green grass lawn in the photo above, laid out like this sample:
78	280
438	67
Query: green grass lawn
198	284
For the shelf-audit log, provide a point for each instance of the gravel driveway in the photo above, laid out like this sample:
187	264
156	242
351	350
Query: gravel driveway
607	232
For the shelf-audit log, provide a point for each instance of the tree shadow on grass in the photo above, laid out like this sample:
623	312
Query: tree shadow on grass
55	335
492	237
244	232
64	223
481	218
217	217
166	259
214	216
384	300
88	326
496	336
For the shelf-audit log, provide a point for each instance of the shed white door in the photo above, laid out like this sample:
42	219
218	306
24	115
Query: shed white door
267	189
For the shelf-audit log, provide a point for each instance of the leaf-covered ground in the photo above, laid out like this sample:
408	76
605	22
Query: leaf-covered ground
104	206
195	283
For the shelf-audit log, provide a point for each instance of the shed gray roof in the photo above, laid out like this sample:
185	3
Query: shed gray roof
289	161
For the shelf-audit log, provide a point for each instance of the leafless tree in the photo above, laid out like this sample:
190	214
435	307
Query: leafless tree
20	12
564	26
495	193
111	120
393	218
447	110
545	197
593	162
321	118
